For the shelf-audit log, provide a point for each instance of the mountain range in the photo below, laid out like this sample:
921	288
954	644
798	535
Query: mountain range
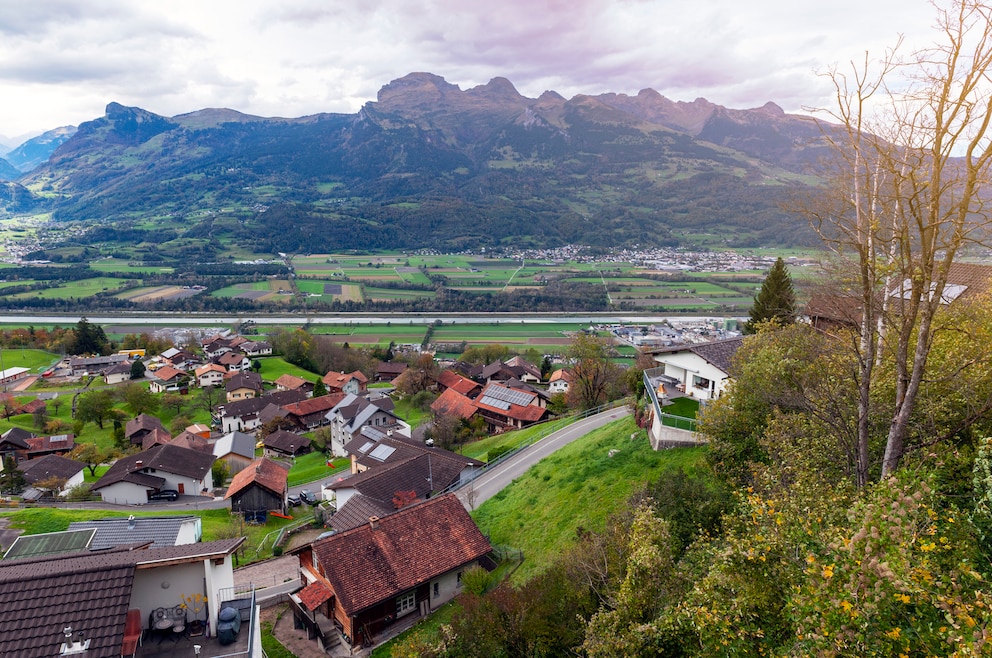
429	165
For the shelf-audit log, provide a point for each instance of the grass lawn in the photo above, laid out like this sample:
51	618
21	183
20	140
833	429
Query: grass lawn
580	485
34	360
313	466
274	367
411	414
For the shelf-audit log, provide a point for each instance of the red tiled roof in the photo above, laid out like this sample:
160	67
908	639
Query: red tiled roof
314	405
451	379
51	443
339	379
315	594
167	373
290	382
265	473
406	549
453	403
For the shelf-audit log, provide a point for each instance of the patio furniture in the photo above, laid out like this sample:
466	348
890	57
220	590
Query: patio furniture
132	633
160	623
179	626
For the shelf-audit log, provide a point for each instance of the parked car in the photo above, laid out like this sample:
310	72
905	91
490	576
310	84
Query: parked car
308	497
164	494
294	500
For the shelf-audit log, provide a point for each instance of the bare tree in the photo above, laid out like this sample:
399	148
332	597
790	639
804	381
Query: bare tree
915	147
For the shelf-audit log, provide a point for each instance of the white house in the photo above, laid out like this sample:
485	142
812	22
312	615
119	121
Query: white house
559	381
132	479
703	370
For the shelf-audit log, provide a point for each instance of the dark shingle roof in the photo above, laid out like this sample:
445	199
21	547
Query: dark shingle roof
169	458
719	353
159	530
49	466
365	566
357	511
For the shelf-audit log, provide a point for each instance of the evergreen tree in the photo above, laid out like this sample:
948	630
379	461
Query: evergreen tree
11	478
319	388
775	301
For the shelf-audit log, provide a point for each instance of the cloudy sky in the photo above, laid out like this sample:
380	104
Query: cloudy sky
62	61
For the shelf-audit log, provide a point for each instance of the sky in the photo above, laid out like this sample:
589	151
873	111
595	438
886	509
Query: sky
62	61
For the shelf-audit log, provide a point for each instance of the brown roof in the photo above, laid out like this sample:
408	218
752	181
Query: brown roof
230	358
315	594
56	443
453	403
365	566
290	382
48	466
250	380
187	439
314	405
168	458
451	379
167	373
156	437
391	367
286	442
89	592
264	472
339	379
142	422
719	353
202	370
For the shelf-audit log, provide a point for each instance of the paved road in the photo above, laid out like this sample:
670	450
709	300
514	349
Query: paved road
495	479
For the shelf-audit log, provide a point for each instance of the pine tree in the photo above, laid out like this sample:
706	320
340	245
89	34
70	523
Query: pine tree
775	301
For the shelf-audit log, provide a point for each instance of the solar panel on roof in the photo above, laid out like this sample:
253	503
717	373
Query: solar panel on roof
58	438
509	395
382	452
51	543
365	447
490	401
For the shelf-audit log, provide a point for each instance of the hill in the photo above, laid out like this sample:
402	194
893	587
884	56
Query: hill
428	165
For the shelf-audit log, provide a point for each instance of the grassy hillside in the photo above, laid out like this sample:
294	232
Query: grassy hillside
580	485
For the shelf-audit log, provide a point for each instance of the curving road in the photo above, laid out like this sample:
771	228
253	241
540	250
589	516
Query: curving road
495	479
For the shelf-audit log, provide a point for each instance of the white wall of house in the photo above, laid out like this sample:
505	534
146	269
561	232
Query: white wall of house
211	378
184	484
239	424
217	577
116	377
163	587
701	379
447	587
190	531
124	493
74	481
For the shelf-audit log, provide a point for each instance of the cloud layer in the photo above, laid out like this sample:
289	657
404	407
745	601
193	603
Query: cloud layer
62	61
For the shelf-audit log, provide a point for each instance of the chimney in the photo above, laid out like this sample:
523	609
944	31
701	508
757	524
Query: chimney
374	522
138	463
130	522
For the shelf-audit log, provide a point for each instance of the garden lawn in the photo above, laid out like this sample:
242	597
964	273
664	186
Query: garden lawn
578	486
313	467
274	367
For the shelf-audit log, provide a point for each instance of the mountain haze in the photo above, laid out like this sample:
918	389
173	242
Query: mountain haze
428	165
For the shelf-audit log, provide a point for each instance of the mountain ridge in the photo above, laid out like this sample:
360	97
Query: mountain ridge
429	165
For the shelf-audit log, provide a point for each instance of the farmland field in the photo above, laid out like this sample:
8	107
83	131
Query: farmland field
269	290
77	289
156	293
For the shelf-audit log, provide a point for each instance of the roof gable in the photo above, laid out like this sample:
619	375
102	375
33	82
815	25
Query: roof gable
365	566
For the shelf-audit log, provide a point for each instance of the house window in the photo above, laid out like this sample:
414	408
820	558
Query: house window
406	603
437	590
700	382
460	578
313	561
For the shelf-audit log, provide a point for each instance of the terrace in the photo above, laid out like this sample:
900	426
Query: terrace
182	638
